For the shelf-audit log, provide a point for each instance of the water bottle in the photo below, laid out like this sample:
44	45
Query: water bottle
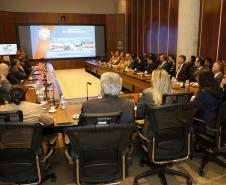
63	103
187	84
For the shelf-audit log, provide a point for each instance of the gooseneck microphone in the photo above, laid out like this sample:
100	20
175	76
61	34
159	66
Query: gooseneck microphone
87	89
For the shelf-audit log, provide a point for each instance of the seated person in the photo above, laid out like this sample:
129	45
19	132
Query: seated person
26	66
153	96
172	61
5	85
199	66
16	72
218	71
208	98
182	73
111	57
126	62
32	112
150	64
163	63
116	59
223	85
111	84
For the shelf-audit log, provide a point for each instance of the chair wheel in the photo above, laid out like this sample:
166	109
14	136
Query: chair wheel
201	172
189	181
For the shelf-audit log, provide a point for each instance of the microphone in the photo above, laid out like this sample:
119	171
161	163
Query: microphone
87	90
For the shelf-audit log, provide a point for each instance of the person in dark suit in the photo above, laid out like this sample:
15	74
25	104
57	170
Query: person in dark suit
150	64
164	64
16	72
182	73
208	99
111	84
199	67
217	69
172	61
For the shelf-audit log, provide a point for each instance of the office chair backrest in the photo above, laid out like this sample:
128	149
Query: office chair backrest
176	98
11	116
221	122
19	144
171	125
100	149
99	118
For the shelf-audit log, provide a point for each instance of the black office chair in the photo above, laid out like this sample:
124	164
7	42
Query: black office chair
177	98
99	118
99	152
212	142
21	154
166	134
11	116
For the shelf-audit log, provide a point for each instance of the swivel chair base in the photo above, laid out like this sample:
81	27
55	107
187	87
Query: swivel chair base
161	171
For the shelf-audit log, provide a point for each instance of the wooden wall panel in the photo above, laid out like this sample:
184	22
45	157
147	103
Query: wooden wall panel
129	11
115	33
163	32
115	28
155	27
173	27
210	28
7	27
222	43
134	26
158	33
140	26
147	25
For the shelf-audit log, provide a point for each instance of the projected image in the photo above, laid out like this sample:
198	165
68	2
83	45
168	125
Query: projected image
62	41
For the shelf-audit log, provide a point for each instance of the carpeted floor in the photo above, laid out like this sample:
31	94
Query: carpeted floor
215	175
73	83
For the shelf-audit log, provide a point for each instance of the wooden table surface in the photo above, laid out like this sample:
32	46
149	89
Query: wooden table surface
134	82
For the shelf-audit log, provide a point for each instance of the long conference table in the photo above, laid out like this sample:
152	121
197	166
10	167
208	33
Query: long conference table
135	83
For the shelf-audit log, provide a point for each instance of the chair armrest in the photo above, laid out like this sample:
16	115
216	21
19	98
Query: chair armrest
199	120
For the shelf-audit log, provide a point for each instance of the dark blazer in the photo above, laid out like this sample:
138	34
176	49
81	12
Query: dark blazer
111	104
194	75
166	65
209	102
16	75
184	73
219	77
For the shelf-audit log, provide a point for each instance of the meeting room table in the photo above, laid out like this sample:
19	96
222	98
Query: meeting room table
44	72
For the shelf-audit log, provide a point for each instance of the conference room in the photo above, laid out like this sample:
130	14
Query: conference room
112	92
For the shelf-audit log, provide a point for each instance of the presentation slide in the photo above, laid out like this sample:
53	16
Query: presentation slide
8	49
56	41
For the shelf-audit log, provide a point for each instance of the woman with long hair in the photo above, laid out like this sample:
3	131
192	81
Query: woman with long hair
153	96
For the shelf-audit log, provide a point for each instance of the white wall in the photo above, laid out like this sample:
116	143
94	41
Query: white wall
188	27
61	6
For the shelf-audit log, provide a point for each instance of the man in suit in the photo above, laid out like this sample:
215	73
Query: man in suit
111	84
199	67
5	85
182	70
164	64
217	70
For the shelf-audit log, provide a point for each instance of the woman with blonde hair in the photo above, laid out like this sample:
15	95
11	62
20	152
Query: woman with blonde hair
153	95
